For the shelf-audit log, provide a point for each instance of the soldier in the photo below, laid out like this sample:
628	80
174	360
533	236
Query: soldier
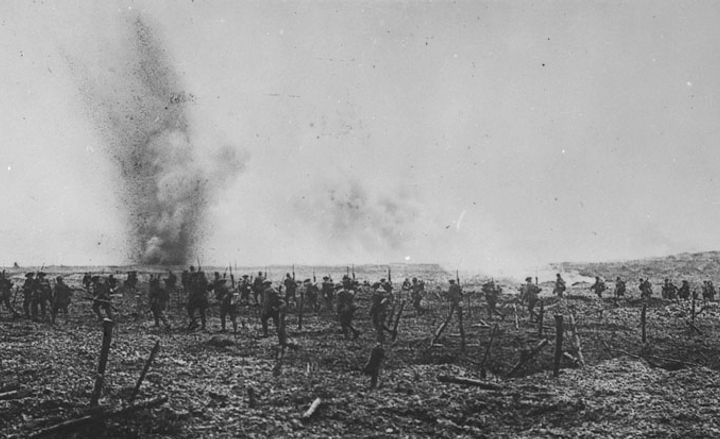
406	287
327	292
619	288
28	289
41	295
708	290
101	299
560	287
645	288
86	281
271	306
598	287
245	289
346	310
669	290
185	280
684	291
348	283
290	288
417	291
6	293
378	311
529	293
311	295
228	306
197	299
158	298
258	287
492	293
61	296
131	281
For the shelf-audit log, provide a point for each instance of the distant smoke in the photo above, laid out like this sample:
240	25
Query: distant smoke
138	104
351	217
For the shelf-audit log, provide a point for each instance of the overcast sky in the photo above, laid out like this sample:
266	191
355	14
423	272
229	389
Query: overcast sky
485	135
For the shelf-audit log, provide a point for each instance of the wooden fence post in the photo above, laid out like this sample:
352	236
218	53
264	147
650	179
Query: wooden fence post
104	351
558	344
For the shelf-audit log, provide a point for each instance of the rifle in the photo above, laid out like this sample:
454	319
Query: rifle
314	279
353	272
347	271
198	261
389	275
293	271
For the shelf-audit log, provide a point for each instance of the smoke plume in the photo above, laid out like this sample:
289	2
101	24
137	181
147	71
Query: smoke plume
168	176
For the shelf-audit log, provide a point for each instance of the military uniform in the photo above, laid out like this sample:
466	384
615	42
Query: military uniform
378	312
492	294
228	307
61	297
645	288
669	290
529	294
101	299
327	291
560	286
620	288
417	290
346	310
6	294
290	288
28	289
158	298
197	300
598	287
271	307
40	296
684	291
258	287
708	291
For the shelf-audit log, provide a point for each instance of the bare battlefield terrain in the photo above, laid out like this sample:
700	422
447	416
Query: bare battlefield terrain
204	383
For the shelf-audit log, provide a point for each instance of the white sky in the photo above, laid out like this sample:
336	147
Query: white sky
504	134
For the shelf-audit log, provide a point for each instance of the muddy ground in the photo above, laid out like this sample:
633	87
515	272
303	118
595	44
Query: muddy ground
667	387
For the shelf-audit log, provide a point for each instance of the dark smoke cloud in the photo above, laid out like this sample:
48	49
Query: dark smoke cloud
138	104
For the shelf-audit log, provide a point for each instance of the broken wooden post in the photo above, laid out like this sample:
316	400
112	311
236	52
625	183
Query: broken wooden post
517	324
643	319
312	409
444	324
104	351
540	318
576	342
558	343
462	329
374	364
153	352
300	311
524	360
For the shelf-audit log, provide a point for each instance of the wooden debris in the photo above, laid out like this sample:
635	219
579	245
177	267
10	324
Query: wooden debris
372	368
99	415
311	410
541	314
397	320
517	323
14	394
150	359
524	360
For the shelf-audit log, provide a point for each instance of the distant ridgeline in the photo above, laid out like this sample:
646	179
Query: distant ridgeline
684	265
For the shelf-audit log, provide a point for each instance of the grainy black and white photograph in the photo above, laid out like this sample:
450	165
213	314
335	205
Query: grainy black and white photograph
359	219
